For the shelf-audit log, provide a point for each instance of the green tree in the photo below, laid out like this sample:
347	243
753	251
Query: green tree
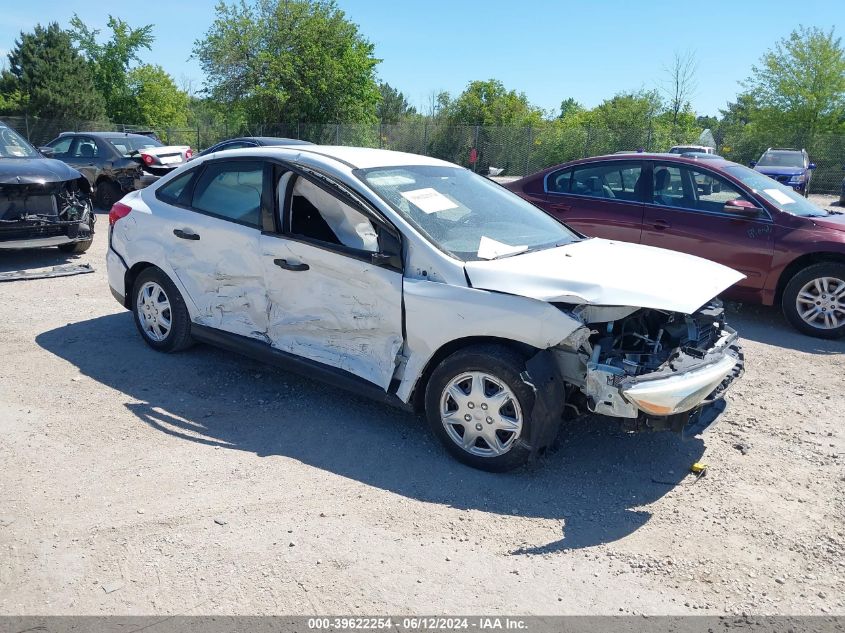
799	85
290	60
158	101
490	103
569	107
47	77
393	107
111	61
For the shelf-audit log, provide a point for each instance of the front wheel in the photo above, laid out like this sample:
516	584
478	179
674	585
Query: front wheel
814	300
479	408
160	312
108	193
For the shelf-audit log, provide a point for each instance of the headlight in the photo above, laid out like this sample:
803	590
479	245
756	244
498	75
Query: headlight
797	179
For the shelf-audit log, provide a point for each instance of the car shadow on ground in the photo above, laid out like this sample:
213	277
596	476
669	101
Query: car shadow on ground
766	324
35	258
594	483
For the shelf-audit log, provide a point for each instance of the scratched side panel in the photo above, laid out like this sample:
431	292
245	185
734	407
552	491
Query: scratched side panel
342	311
437	314
221	272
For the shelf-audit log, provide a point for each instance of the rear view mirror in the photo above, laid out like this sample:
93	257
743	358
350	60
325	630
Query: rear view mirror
811	166
753	163
743	208
47	151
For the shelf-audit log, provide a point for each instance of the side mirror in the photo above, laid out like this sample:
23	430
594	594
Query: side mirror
742	207
753	163
47	152
811	166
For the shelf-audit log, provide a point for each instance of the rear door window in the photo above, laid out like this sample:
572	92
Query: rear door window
615	180
231	191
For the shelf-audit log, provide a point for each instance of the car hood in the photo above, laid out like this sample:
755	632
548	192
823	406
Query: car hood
604	272
780	171
835	221
33	171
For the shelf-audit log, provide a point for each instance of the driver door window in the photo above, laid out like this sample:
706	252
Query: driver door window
84	148
692	189
318	215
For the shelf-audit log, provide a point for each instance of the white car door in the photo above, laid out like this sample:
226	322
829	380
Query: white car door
212	235
334	296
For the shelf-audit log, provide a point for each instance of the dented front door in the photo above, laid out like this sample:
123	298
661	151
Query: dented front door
332	307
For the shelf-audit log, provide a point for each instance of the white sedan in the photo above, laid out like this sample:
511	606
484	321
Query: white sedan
419	282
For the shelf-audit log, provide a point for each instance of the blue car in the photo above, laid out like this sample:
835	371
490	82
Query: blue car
791	167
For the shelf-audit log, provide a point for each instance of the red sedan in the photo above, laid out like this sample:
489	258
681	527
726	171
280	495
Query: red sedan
791	251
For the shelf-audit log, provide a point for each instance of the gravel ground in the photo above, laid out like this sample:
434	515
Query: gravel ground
204	483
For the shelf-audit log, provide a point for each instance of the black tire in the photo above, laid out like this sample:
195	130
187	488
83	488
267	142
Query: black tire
178	336
76	248
108	193
799	281
505	365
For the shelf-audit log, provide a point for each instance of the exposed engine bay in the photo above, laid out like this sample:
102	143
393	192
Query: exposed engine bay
624	360
45	210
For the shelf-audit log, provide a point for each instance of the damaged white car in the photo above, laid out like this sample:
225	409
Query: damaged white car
421	283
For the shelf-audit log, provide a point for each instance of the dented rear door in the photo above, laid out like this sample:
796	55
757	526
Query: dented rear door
212	245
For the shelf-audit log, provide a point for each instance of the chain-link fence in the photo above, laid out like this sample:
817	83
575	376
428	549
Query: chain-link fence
505	151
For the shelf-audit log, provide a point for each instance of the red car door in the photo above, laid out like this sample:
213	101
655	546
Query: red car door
601	199
688	213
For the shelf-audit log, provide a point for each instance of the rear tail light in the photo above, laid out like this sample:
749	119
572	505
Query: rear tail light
148	160
188	153
118	210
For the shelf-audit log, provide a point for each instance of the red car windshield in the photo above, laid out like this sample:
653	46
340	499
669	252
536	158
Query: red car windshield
783	197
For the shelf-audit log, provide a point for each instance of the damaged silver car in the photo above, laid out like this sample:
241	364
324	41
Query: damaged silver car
43	202
422	284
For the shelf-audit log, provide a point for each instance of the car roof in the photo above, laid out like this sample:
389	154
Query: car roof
106	134
277	140
689	158
351	157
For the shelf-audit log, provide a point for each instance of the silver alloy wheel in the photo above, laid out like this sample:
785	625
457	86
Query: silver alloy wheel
480	414
821	303
154	311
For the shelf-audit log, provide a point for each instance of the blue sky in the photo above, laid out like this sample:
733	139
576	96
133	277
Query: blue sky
549	50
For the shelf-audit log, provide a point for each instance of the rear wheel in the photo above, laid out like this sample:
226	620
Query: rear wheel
479	408
814	300
108	193
160	312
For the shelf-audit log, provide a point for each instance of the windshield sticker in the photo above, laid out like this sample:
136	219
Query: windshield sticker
491	249
778	196
429	200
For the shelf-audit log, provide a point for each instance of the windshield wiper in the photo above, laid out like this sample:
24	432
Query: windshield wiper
535	249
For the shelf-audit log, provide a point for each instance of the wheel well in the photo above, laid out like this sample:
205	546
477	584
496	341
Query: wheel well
799	264
418	395
101	180
129	280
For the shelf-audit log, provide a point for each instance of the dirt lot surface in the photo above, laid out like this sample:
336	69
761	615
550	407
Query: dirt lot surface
198	483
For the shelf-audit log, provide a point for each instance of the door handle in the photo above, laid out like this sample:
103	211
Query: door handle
185	234
661	225
295	267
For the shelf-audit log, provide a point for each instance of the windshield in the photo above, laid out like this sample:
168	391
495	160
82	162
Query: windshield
13	145
128	145
781	159
465	214
783	197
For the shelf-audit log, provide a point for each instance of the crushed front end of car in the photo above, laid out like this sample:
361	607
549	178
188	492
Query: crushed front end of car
51	213
653	369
